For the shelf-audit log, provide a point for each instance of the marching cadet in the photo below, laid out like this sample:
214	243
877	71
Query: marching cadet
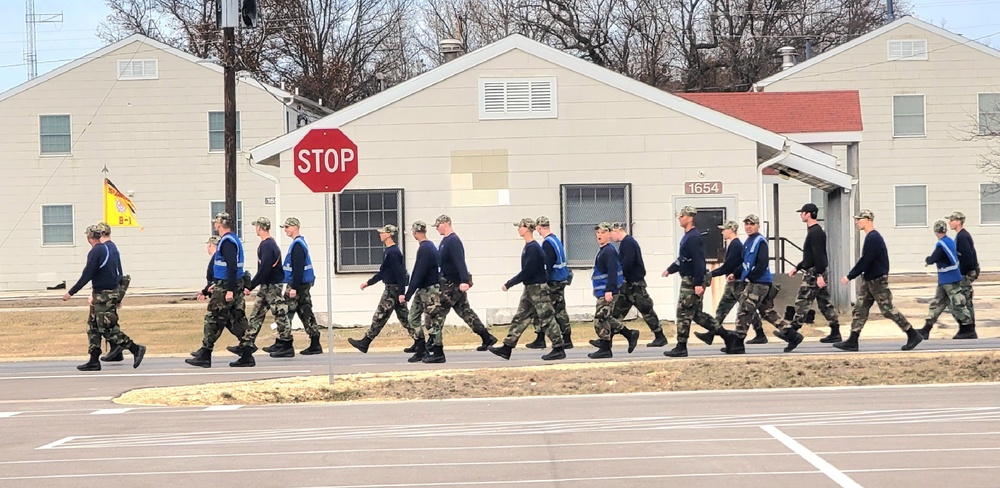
456	281
690	264
606	280
101	271
425	289
559	277
299	276
949	292
535	303
969	267
392	272
226	307
633	292
873	267
269	278
731	294
759	291
813	265
115	354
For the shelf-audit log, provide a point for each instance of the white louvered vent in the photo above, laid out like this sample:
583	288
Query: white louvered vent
137	69
908	50
517	98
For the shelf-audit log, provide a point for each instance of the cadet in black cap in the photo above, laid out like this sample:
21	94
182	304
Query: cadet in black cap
814	266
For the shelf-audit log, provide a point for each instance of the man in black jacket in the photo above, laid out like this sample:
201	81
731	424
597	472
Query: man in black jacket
814	266
734	288
633	292
268	282
968	263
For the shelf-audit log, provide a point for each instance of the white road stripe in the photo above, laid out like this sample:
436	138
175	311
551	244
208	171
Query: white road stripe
153	375
8	414
57	443
833	473
222	408
110	411
58	400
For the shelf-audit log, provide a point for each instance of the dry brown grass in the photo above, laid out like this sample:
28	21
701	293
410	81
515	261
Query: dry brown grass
716	373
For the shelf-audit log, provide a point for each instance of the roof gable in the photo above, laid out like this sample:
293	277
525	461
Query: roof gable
906	20
788	112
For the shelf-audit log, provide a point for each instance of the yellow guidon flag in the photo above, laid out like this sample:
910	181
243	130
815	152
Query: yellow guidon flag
119	211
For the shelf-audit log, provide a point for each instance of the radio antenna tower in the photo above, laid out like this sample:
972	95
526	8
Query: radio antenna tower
30	19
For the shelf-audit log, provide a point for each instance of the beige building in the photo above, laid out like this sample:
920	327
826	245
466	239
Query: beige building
153	117
519	129
926	96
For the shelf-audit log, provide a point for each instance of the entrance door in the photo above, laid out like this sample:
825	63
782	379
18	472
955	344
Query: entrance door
707	221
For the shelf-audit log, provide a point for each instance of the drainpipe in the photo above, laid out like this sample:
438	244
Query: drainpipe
277	197
760	178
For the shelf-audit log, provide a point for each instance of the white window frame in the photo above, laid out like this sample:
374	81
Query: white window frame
923	99
587	261
895	208
552	113
238	225
342	268
982	215
72	224
889	56
239	132
821	215
70	135
130	63
979	112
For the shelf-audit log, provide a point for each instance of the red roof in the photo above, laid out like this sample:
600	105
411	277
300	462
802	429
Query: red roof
788	112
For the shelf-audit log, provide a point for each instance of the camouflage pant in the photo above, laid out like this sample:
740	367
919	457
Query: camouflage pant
534	305
268	298
224	315
951	296
635	295
809	291
756	303
557	295
427	303
386	305
302	304
872	292
938	304
731	297
967	282
453	298
689	310
102	321
605	324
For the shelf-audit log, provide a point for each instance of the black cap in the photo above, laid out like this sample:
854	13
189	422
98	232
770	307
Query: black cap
809	207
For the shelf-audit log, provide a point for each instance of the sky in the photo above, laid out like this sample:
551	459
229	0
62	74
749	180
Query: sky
76	36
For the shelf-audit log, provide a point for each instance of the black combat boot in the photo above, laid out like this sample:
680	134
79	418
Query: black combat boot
851	344
759	337
538	343
245	360
315	347
272	347
238	349
502	351
568	340
708	337
925	331
93	365
202	358
913	338
966	332
115	354
679	351
361	345
413	348
603	350
595	342
632	336
420	351
734	343
488	340
834	334
659	340
436	355
138	352
554	354
283	349
794	339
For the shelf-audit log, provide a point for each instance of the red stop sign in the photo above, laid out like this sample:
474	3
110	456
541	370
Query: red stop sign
326	160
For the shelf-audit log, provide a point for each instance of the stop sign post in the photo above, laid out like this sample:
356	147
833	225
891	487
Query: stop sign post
326	160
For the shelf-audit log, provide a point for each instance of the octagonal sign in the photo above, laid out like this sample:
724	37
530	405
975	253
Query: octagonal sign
326	160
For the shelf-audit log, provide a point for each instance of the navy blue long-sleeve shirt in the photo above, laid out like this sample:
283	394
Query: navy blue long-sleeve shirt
269	266
814	251
606	262
298	265
101	270
425	269
231	255
760	271
118	258
968	261
550	257
393	269
633	269
532	266
874	260
691	257
938	258
209	277
451	252
733	261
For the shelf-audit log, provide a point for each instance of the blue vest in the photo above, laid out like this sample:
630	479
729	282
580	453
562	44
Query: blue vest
750	250
559	271
950	273
308	276
600	281
219	263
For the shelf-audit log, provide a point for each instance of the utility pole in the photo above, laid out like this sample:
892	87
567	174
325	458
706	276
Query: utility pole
229	125
30	20
890	10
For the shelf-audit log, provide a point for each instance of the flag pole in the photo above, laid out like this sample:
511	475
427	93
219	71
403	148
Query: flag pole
104	190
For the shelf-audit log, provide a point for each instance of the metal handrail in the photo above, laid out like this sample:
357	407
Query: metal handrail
782	241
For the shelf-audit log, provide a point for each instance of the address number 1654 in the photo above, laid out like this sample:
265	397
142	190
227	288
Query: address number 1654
703	188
